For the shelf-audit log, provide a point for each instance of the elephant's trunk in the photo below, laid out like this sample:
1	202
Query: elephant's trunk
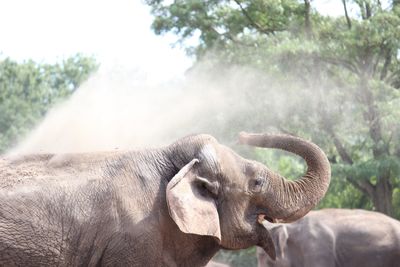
290	200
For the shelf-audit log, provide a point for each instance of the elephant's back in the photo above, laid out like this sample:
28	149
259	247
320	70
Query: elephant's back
22	170
365	225
365	238
36	169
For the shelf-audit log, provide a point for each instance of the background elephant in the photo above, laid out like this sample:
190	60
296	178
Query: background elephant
336	238
173	206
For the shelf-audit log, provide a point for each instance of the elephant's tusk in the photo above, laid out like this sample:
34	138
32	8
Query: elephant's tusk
261	218
266	223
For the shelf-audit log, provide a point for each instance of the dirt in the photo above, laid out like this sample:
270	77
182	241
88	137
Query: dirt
39	169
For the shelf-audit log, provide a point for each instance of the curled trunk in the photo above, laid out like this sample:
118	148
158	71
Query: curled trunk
293	199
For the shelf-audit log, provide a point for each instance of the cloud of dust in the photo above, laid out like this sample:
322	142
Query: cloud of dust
125	110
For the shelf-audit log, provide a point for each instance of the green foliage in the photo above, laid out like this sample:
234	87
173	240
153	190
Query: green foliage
342	194
29	89
220	22
282	162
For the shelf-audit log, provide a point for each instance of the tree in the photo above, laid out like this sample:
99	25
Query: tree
29	89
344	71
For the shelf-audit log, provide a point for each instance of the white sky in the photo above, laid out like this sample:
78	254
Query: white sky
116	32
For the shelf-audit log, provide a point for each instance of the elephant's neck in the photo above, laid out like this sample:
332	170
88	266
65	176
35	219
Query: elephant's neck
179	154
190	251
147	164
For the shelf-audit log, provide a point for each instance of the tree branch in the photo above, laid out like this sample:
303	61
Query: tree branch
368	10
392	77
341	150
346	14
364	186
373	119
386	64
377	59
254	23
226	35
307	20
327	126
340	62
344	155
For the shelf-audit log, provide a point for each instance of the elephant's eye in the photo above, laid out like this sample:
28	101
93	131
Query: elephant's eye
258	183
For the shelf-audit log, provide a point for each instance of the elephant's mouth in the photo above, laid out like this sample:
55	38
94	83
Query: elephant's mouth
261	217
265	240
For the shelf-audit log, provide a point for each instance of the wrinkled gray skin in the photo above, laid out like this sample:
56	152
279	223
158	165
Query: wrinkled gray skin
173	206
336	238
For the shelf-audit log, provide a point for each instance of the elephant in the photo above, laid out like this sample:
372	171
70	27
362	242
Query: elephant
335	238
175	205
216	264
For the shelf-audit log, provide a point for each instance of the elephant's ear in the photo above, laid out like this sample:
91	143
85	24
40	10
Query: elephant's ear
192	211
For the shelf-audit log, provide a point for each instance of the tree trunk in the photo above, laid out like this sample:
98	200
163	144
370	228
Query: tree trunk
308	27
382	196
346	14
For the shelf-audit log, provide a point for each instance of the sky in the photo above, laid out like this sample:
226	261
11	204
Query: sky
116	33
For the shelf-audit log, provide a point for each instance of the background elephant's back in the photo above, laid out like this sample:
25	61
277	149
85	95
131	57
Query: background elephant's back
373	238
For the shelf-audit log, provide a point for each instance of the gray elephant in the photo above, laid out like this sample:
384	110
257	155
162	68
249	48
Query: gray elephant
216	264
172	206
335	238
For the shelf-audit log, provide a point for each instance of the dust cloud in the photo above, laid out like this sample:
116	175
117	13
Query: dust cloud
126	110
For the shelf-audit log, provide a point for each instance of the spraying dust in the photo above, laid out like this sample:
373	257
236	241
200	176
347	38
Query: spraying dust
126	110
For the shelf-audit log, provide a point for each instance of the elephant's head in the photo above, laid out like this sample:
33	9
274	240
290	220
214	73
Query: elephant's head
220	194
